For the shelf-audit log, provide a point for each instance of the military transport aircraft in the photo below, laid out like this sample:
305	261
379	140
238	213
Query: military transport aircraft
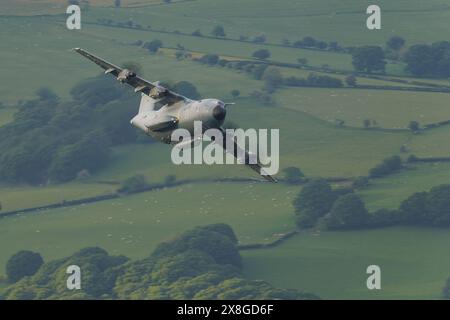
162	111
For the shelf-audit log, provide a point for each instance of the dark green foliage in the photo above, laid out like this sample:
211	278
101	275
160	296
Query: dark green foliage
22	264
428	208
429	60
309	42
258	71
414	126
98	276
211	59
388	166
197	33
368	59
348	212
134	184
51	140
313	80
360	183
438	206
262	54
187	89
261	38
384	218
293	175
218	241
235	93
90	153
200	264
395	43
272	79
153	46
46	94
350	80
314	201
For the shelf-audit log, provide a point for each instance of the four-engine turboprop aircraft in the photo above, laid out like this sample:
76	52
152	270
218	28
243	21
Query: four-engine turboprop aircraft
162	111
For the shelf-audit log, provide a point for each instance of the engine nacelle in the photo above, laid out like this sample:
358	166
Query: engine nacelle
125	75
157	92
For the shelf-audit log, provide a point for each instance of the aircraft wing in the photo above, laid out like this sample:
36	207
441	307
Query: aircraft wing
139	84
238	150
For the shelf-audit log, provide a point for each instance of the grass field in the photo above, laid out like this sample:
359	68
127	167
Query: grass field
390	109
432	143
414	263
135	225
331	20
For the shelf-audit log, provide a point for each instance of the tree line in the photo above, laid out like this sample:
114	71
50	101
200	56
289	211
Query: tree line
54	141
319	205
202	263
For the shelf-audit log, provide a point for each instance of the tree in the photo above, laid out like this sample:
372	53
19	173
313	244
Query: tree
261	38
235	93
197	33
395	43
309	41
153	46
258	71
90	153
414	126
187	89
261	54
272	78
368	59
302	61
350	80
314	201
45	93
134	184
438	206
218	31
360	183
211	59
348	212
294	175
429	60
388	166
414	209
22	264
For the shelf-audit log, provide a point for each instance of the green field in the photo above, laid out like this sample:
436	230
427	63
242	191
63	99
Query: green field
414	261
6	115
135	225
390	109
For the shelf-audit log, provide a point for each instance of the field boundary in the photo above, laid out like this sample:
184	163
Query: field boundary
269	245
115	195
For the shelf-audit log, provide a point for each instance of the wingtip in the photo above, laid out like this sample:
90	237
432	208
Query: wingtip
271	179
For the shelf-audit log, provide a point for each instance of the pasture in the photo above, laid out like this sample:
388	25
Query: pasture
389	109
414	261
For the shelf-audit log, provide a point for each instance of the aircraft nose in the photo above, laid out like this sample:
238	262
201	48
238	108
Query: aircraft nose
219	112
